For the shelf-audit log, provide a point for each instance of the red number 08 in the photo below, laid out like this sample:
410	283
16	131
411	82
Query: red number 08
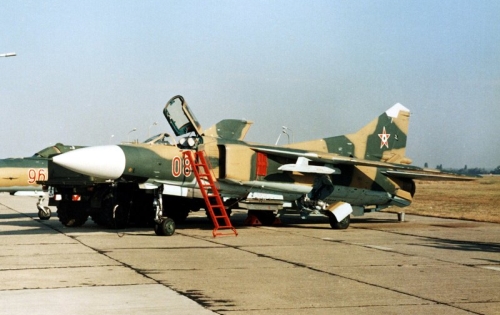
179	167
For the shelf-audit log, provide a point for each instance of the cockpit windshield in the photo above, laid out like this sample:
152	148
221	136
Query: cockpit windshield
162	138
180	118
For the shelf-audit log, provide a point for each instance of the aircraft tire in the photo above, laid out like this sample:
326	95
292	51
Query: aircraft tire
342	225
72	214
165	228
113	214
44	214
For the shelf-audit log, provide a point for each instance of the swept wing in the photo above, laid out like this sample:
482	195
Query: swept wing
390	169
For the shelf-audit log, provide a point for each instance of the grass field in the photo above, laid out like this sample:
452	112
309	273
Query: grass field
475	200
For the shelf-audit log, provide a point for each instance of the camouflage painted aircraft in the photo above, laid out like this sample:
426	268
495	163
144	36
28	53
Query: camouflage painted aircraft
19	176
337	176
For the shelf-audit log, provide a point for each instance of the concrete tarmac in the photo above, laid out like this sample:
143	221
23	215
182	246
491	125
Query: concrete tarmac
377	266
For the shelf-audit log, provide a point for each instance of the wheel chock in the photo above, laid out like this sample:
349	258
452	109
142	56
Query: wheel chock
252	220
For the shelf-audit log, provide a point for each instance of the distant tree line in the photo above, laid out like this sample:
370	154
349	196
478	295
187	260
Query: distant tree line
468	171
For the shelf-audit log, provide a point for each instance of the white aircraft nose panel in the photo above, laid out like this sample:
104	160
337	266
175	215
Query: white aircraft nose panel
107	162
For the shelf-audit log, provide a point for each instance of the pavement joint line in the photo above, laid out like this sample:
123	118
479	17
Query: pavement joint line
495	268
37	244
75	286
162	248
337	275
48	268
383	248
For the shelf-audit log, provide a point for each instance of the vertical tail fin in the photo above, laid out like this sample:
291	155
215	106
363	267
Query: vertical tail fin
383	139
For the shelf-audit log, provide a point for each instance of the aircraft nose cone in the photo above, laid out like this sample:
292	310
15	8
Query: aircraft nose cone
106	161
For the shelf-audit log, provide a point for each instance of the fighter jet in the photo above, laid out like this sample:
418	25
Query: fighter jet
86	185
336	176
19	176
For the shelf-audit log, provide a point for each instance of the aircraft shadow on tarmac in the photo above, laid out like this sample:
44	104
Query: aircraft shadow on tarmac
25	223
469	246
37	226
29	224
290	221
10	216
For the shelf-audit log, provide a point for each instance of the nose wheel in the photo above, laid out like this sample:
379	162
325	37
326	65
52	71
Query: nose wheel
166	227
44	212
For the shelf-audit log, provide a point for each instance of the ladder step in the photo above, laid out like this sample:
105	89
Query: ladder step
225	227
226	234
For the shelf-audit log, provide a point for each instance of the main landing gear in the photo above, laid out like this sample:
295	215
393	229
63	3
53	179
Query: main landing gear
338	225
340	210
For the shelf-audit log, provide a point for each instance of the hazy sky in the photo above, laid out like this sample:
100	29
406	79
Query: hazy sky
88	72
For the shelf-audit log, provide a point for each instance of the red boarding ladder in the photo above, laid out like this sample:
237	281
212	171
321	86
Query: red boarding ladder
210	192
